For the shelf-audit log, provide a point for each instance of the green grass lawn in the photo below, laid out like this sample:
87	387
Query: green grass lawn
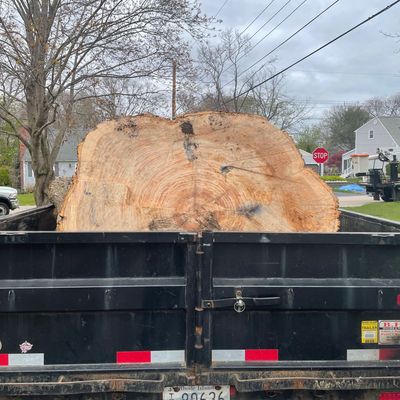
26	199
379	209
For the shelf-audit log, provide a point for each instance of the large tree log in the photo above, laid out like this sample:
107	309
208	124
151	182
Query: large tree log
205	171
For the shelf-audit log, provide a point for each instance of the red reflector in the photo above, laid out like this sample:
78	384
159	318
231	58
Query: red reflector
389	396
389	354
3	359
126	357
261	355
398	299
232	391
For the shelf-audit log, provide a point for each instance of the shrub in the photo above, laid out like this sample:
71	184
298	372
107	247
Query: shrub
330	178
5	179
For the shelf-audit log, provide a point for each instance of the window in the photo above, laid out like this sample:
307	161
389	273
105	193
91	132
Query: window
347	164
29	168
371	134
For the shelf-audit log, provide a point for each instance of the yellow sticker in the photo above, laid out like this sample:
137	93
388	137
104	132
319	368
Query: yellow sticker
369	331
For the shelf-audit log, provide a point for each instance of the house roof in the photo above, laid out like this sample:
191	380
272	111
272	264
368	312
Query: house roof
307	157
69	149
392	124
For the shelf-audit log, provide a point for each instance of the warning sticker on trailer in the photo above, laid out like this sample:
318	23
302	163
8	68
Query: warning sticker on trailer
389	332
369	332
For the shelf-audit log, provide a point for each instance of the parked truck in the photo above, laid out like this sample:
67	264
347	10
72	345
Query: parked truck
199	316
8	200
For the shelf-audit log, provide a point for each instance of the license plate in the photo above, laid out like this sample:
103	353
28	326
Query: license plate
196	393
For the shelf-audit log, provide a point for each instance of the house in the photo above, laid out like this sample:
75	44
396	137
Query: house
309	160
65	164
378	133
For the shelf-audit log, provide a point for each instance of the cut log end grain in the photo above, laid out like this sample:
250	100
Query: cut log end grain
204	171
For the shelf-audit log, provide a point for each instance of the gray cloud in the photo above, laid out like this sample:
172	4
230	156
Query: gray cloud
361	65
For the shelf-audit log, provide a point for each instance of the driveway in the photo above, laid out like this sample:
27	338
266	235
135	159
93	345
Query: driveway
353	200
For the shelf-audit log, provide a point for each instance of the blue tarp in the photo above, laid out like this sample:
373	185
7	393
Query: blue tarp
352	188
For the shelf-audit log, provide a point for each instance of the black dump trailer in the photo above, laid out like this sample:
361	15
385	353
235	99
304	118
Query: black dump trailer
199	316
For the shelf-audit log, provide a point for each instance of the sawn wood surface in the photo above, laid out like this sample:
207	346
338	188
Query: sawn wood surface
203	171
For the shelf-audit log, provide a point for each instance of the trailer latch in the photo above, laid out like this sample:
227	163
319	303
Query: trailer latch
239	303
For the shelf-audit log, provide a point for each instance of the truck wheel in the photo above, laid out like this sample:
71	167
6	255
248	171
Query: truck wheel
4	209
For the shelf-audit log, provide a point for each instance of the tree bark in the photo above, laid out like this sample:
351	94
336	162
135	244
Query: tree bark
42	168
205	171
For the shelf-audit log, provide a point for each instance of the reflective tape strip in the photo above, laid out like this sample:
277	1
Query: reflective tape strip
248	355
3	360
363	355
128	357
262	355
159	357
14	360
228	355
389	354
26	359
171	356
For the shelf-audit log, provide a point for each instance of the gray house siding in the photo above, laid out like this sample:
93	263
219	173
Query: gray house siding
381	137
65	164
61	168
379	132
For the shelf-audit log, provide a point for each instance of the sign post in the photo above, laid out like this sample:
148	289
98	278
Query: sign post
320	156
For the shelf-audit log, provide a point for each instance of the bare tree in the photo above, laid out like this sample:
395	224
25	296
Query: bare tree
221	69
224	77
383	107
62	48
270	101
114	98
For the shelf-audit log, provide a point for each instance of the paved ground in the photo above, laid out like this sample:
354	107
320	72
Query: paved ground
20	209
353	200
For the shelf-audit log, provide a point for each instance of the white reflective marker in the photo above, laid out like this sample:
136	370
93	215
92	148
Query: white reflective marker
26	359
363	355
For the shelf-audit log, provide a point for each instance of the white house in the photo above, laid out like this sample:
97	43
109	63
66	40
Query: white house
378	133
65	164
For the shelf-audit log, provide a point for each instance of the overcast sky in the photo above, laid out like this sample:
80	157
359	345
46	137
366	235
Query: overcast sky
361	65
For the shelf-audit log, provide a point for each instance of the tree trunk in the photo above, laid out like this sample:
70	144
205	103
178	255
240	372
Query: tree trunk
42	168
205	171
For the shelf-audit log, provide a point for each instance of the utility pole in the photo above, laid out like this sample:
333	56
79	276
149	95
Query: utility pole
173	89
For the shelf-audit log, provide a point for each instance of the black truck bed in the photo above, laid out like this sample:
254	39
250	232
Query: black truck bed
269	314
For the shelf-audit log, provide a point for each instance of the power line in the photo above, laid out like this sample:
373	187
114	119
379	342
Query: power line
273	29
248	40
256	18
396	75
269	20
220	9
316	50
285	41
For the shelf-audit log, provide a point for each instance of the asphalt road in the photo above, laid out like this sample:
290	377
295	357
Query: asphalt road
353	200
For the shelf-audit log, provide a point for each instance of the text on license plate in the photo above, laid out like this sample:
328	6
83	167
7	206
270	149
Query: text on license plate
197	393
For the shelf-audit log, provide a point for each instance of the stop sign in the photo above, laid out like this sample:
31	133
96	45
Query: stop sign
320	155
